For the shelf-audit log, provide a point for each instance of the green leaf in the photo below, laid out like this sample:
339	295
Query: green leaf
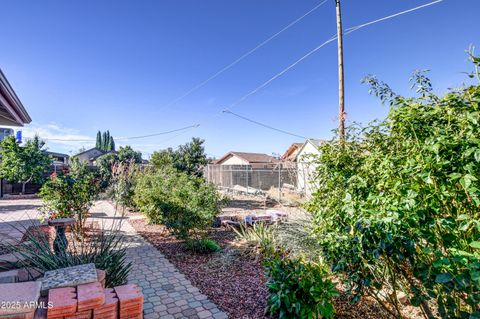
477	156
475	244
443	278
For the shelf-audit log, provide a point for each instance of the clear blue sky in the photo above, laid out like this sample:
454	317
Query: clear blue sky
81	66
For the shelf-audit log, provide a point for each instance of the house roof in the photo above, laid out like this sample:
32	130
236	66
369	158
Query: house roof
100	155
291	153
89	150
249	157
56	154
314	142
12	111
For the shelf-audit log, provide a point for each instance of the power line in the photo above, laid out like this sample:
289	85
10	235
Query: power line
264	125
282	72
157	134
333	38
349	30
229	66
122	138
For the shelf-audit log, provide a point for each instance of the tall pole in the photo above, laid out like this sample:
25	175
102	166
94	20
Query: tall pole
341	84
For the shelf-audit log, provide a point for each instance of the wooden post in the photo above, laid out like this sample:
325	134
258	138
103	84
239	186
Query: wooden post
341	84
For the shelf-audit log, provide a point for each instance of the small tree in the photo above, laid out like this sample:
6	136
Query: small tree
98	144
111	144
189	158
23	164
105	141
70	194
106	162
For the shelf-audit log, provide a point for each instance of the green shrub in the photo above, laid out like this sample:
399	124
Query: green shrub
69	194
298	289
397	206
203	245
185	204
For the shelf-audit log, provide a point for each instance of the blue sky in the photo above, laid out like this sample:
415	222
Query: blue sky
83	66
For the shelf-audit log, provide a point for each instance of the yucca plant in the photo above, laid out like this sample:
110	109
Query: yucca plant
256	239
105	248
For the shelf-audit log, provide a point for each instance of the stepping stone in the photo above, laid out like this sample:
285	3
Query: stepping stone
23	297
90	296
69	277
10	276
63	302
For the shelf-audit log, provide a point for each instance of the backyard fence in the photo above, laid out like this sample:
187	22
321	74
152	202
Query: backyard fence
8	188
274	181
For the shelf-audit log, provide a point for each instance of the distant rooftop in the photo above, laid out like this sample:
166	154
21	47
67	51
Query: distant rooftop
249	157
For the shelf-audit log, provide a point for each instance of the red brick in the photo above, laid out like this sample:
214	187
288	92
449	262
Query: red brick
28	315
90	296
112	315
110	305
63	302
130	297
87	314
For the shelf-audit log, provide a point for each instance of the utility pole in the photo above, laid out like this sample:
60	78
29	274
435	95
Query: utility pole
341	84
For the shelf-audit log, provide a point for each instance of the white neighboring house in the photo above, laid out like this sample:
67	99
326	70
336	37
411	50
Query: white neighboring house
306	167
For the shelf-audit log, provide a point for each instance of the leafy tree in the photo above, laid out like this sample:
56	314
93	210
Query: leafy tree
23	164
163	158
98	144
127	153
104	138
105	141
70	194
111	144
188	158
107	161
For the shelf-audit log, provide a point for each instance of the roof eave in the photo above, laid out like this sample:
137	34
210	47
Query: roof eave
12	103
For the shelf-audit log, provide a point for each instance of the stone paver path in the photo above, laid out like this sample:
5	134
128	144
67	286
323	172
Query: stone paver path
15	218
168	293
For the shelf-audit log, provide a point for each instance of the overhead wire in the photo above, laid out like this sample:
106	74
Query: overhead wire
122	138
333	38
245	55
264	125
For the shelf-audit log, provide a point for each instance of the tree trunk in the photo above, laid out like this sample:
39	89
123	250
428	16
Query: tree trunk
23	188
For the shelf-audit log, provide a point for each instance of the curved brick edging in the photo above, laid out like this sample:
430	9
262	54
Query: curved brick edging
168	293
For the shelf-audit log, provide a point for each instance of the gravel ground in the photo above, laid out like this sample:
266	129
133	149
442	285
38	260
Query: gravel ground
236	285
234	282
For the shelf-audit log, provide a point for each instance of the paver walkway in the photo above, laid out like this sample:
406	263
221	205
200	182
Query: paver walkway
168	293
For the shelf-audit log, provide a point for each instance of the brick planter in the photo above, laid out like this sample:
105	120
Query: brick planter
91	301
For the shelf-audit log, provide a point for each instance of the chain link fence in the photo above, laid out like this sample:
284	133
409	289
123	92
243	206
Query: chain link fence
279	182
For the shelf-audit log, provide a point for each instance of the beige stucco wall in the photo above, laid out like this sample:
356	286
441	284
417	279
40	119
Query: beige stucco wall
306	169
235	160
